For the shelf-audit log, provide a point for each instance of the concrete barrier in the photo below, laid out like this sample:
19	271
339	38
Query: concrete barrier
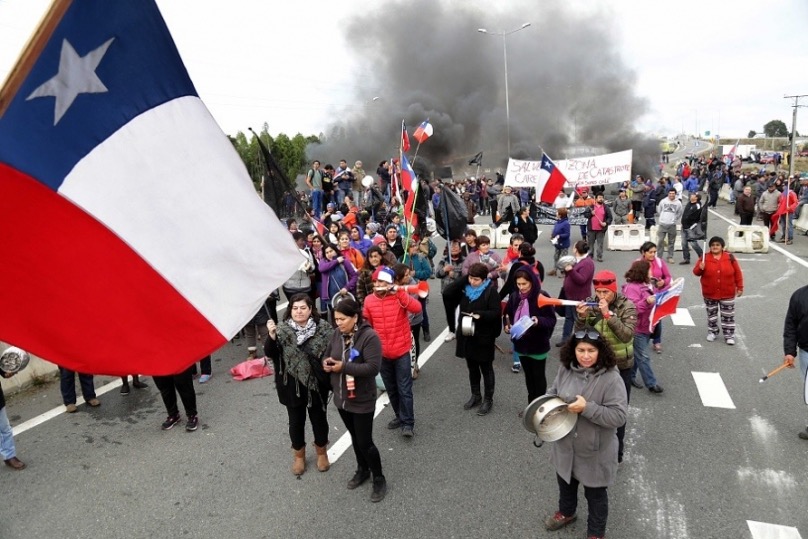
747	239
502	238
483	229
802	222
625	237
677	246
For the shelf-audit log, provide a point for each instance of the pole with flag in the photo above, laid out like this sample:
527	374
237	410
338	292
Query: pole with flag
477	160
136	261
422	132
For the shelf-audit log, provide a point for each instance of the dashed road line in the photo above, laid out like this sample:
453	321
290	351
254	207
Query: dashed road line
712	390
764	530
682	317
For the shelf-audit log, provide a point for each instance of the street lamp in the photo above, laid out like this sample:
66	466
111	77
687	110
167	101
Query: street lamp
505	56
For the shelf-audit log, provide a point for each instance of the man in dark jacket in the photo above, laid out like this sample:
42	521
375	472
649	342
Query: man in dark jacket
795	335
694	223
7	449
745	205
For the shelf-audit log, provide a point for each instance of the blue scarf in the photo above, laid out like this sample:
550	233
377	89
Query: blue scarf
474	292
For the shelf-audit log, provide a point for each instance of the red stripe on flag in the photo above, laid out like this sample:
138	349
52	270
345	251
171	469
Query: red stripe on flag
76	294
555	183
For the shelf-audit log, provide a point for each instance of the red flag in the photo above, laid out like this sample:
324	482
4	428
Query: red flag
550	181
666	302
405	138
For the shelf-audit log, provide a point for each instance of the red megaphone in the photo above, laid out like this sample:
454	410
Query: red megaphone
422	289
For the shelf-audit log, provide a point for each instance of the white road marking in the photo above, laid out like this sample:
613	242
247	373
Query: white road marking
764	530
682	318
771	245
344	442
694	346
712	390
50	414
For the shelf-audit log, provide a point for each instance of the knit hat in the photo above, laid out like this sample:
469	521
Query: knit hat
384	274
605	280
373	227
378	239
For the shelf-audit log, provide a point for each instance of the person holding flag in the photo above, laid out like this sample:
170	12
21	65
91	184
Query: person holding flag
721	282
639	291
784	216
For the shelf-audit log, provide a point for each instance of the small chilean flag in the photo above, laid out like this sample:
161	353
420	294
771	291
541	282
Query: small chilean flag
128	220
666	302
423	132
405	138
550	180
409	183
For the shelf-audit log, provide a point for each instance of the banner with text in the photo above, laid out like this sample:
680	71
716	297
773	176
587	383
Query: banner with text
522	173
596	170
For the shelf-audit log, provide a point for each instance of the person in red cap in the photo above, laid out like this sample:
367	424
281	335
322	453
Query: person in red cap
614	316
386	311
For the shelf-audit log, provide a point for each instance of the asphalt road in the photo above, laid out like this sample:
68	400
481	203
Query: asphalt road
690	470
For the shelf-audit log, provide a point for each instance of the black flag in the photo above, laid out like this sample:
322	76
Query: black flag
276	184
478	160
451	218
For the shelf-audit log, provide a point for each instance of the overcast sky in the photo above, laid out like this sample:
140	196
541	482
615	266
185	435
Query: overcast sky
699	63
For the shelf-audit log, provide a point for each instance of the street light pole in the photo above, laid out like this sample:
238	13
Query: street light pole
505	59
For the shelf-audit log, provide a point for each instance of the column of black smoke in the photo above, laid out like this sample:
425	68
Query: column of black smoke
567	84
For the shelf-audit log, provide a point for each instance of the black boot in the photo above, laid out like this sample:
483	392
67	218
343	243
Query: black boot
427	335
359	477
379	489
475	400
137	383
486	406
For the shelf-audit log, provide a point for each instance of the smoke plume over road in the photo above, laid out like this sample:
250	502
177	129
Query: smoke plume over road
568	86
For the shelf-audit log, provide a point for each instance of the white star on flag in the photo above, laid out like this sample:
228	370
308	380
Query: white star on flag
76	76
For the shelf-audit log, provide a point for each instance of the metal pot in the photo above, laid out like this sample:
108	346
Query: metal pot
14	359
548	418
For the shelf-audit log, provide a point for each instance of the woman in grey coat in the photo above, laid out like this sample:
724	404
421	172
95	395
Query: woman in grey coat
589	381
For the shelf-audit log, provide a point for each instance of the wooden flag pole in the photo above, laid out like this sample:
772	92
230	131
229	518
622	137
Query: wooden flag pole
31	52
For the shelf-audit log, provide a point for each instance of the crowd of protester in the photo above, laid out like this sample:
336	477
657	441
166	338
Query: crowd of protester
355	317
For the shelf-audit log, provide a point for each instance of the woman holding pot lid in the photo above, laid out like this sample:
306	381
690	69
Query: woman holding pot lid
589	382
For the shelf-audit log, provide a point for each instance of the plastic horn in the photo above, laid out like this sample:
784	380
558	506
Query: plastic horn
544	301
422	289
775	371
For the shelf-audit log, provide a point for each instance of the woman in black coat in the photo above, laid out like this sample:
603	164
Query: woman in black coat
477	297
524	225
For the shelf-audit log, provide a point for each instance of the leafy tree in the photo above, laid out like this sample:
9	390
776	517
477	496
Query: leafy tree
775	128
751	134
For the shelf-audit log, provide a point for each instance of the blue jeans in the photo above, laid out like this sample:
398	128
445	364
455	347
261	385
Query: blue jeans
7	450
569	322
790	230
397	378
642	361
317	202
67	381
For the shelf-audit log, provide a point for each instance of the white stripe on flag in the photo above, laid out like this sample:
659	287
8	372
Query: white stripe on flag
712	390
198	222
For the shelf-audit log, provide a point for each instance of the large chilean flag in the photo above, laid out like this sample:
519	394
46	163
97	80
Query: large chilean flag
133	240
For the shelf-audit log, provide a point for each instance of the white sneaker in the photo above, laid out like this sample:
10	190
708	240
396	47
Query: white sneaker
710	337
449	337
730	341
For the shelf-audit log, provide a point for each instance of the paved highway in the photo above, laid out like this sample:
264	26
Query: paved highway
691	471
